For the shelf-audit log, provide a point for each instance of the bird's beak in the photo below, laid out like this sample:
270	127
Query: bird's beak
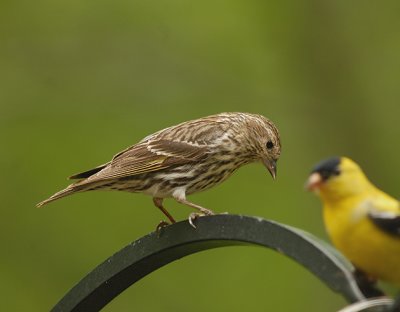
314	182
271	166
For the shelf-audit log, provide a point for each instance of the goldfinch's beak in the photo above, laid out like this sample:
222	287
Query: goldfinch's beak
314	182
271	166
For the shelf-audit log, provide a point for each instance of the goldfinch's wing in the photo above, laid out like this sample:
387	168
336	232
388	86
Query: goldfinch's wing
386	216
146	157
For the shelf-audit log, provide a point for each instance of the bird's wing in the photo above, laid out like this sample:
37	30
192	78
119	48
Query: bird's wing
88	173
385	214
149	156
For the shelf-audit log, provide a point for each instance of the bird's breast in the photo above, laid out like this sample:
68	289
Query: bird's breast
371	250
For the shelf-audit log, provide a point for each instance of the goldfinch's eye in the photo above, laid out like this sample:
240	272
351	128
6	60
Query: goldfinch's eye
270	145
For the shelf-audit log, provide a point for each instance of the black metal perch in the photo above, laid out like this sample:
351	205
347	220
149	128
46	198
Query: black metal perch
155	250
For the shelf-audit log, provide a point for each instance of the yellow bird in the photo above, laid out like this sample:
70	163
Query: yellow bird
362	221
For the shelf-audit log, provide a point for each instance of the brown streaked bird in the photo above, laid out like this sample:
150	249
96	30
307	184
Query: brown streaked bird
184	159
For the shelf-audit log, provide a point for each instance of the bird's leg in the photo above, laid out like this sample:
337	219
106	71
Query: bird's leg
367	284
158	202
202	211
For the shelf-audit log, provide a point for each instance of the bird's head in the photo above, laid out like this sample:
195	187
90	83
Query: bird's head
266	140
337	178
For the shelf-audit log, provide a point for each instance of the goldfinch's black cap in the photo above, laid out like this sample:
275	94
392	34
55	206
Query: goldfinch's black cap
328	167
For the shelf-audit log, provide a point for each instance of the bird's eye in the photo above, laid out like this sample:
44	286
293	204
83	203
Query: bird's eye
270	145
336	172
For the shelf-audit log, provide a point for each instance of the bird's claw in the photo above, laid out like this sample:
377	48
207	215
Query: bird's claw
161	226
194	215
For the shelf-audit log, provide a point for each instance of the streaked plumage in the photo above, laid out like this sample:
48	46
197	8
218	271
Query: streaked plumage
184	159
362	221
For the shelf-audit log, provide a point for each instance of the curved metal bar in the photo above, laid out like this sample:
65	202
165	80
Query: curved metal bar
381	304
155	250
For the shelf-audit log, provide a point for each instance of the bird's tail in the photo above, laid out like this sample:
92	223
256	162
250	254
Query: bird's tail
71	189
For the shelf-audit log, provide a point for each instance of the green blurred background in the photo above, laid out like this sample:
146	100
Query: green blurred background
81	80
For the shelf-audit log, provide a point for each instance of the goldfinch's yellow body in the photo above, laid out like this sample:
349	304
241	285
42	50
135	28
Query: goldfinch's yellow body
362	221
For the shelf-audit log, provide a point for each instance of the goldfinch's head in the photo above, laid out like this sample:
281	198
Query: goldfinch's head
337	178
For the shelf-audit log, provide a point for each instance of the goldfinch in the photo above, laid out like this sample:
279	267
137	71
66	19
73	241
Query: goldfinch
362	221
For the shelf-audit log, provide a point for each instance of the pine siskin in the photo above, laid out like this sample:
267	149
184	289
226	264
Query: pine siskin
184	159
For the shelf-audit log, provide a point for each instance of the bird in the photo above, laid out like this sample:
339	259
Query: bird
184	159
362	221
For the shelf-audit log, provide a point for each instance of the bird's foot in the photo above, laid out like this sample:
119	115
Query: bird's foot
161	226
367	284
194	215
